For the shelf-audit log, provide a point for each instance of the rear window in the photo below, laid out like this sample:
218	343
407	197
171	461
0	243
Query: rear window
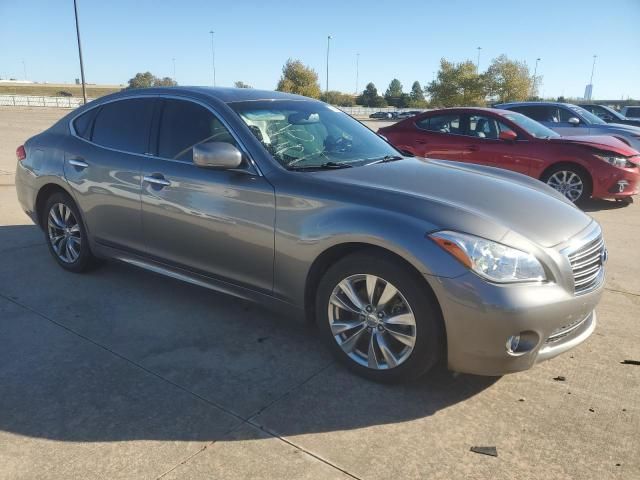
124	125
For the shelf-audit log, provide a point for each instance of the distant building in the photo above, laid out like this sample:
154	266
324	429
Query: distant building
588	91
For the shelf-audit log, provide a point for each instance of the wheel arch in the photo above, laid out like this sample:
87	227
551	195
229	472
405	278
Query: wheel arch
44	193
567	163
337	252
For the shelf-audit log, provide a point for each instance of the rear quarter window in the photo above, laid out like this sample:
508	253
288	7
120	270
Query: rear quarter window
84	123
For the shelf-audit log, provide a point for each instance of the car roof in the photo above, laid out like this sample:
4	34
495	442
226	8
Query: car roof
222	94
527	104
496	111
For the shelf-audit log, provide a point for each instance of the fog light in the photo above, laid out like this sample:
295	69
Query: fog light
522	343
622	184
512	344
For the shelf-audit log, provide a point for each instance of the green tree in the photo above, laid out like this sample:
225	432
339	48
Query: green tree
147	79
416	97
370	97
393	95
457	84
300	79
241	84
508	80
334	97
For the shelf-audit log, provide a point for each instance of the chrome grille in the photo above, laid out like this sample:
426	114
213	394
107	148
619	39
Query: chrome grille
587	265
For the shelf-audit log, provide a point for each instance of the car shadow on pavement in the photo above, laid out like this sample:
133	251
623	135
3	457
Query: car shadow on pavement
598	204
123	354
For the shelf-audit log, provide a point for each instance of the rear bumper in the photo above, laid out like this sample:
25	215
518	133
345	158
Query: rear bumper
26	191
480	318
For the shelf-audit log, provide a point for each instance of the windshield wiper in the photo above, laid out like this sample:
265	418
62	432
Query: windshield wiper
322	166
385	159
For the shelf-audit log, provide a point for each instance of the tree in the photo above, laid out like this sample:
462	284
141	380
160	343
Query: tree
300	79
508	80
147	79
457	84
241	84
416	97
165	82
393	95
370	97
334	97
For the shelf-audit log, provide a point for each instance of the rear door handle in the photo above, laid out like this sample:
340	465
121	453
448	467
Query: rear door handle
156	180
422	142
76	162
473	148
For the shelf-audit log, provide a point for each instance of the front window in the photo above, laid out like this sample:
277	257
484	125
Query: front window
532	127
307	134
585	115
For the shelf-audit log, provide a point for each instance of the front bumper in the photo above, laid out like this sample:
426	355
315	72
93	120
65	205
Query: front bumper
616	183
480	317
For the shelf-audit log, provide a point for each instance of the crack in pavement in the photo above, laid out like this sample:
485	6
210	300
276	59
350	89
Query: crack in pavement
243	421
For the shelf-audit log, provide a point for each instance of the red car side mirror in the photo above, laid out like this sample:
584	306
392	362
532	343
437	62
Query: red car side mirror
508	136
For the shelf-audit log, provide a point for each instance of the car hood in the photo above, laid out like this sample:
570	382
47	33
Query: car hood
484	201
600	142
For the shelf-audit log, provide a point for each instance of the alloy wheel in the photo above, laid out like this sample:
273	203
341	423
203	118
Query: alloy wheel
64	233
568	183
372	322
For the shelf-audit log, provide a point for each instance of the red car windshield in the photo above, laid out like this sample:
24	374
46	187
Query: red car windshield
532	127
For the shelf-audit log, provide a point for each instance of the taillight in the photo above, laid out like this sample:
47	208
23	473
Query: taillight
21	153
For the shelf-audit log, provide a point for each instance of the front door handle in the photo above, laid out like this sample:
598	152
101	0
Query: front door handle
76	162
473	148
422	142
156	180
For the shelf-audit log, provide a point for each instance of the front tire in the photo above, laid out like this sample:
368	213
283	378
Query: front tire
65	234
572	181
379	318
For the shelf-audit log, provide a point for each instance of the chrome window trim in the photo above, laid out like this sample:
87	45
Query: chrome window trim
253	170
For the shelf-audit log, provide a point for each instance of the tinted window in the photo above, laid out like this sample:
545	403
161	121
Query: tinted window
633	112
486	127
449	123
84	122
124	125
183	125
541	113
566	114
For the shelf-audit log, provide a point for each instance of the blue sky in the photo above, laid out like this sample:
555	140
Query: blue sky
401	38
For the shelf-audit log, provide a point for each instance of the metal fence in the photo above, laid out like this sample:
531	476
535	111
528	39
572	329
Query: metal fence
40	101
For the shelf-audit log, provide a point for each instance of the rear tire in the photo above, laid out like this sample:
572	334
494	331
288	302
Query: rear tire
379	318
66	234
570	180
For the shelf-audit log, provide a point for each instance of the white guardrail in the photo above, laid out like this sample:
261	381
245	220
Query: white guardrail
74	102
40	101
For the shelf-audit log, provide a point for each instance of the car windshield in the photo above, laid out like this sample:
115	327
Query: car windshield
587	115
307	134
532	127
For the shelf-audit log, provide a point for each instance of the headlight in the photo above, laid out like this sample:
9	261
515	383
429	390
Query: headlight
491	260
615	160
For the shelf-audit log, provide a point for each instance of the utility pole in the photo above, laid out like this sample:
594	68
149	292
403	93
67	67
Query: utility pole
357	70
593	67
84	88
213	57
328	43
478	63
535	78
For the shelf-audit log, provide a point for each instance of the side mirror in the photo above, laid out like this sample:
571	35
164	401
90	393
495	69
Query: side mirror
574	121
220	155
508	136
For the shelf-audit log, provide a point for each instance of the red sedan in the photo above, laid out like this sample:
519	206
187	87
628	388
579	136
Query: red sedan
579	167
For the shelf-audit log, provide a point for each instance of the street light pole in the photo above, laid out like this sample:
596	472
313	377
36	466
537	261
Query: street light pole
328	43
593	67
357	70
84	88
535	78
478	64
213	57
